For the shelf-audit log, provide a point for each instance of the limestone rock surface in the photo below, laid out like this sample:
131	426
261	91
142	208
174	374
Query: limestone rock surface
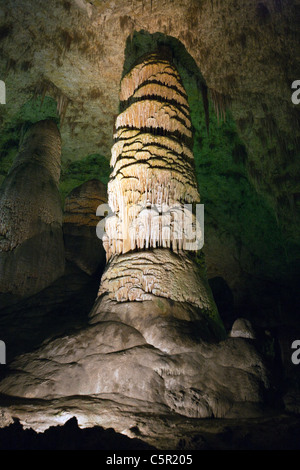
156	427
110	357
242	328
145	358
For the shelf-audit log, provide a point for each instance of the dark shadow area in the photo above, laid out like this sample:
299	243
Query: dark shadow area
67	437
55	311
224	300
224	435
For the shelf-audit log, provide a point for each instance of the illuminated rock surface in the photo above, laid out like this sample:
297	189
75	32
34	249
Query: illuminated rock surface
153	166
163	431
157	360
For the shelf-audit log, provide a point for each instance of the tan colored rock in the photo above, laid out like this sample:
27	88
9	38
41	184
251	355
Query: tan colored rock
153	168
161	273
134	352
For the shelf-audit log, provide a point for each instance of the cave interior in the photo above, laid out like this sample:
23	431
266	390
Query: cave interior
231	307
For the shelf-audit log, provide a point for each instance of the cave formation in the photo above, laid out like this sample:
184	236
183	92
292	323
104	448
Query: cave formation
152	182
141	338
31	215
154	329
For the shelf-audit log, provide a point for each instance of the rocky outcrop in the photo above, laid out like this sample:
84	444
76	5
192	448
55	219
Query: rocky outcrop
82	246
137	420
31	239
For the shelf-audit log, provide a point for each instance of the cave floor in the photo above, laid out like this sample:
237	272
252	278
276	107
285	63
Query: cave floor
155	428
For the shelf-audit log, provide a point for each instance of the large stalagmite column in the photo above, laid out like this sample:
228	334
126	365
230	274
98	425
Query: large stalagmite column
31	238
149	236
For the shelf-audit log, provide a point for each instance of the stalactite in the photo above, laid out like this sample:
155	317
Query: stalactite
220	102
46	87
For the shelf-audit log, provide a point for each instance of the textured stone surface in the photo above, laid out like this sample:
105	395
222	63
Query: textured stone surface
31	239
149	358
82	245
162	273
153	165
149	187
242	328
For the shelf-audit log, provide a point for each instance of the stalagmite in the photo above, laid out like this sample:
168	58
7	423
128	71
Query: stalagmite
152	69
152	179
31	238
150	168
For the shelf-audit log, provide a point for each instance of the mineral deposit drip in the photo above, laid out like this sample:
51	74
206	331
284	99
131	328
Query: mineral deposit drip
153	173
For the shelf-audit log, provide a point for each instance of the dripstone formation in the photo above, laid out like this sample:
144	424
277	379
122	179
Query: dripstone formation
31	238
152	180
154	339
153	165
